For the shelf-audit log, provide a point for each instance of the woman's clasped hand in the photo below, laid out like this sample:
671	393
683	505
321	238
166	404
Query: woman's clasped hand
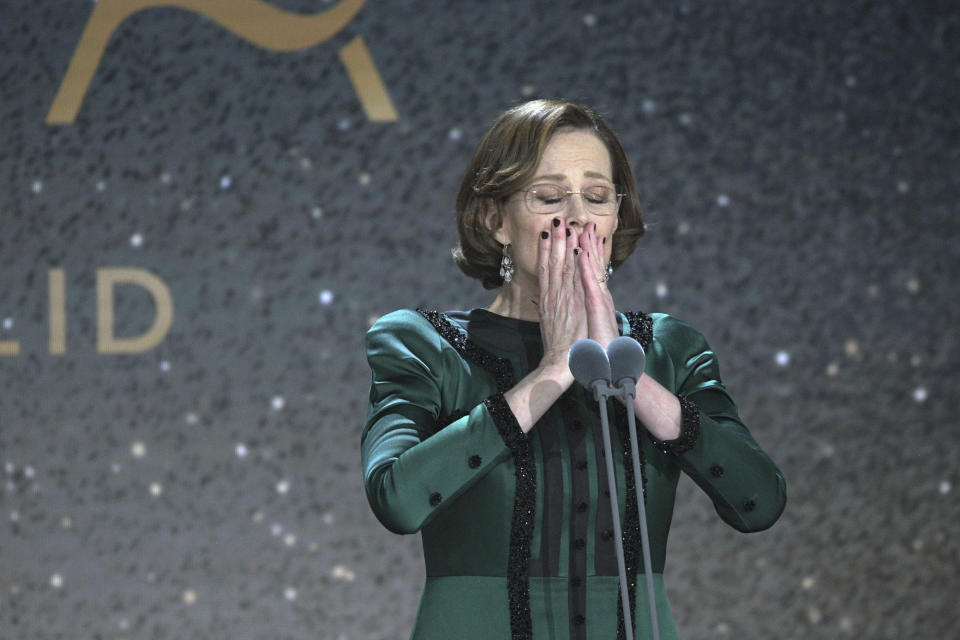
574	301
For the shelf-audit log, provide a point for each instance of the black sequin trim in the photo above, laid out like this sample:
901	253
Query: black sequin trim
689	430
631	520
524	502
641	327
499	367
641	330
505	421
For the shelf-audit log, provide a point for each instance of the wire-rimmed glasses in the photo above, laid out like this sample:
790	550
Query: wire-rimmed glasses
545	198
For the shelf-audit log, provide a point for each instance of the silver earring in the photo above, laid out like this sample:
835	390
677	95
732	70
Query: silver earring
506	264
603	277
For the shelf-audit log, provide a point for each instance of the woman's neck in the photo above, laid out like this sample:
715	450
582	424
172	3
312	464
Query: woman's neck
516	301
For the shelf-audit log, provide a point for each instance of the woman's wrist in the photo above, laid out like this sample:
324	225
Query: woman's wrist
658	409
537	392
556	371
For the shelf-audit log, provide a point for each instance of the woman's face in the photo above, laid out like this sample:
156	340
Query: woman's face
574	159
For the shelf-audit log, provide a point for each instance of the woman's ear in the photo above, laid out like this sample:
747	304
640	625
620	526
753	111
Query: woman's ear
493	219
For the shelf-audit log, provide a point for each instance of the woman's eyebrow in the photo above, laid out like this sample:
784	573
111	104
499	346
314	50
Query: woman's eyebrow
594	174
560	176
552	176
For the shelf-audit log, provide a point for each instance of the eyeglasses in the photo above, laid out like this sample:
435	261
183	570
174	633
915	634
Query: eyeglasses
600	200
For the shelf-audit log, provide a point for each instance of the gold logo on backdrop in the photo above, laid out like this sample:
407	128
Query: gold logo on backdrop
254	21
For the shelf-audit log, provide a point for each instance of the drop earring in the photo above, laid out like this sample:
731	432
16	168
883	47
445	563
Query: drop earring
606	274
506	264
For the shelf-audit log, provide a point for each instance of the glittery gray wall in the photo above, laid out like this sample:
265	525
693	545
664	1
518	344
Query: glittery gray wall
798	163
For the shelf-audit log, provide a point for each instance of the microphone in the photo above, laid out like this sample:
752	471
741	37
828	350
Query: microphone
589	365
627	361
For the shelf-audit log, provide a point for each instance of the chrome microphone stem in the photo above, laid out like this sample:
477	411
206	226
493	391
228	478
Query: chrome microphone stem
601	392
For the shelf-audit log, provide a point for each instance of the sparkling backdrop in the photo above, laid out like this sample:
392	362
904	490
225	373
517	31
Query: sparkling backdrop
798	166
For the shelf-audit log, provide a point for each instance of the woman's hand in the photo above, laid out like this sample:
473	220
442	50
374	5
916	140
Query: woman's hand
573	305
563	321
563	314
600	312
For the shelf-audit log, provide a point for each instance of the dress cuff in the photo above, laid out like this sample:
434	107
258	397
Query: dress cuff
505	421
689	430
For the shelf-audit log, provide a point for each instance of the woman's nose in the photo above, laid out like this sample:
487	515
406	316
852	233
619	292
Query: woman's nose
575	213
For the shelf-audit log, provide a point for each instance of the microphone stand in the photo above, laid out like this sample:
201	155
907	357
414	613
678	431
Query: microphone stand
593	367
628	390
601	391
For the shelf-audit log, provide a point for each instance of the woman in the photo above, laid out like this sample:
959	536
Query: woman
477	436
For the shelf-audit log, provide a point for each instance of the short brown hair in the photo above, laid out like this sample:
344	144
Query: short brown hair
506	158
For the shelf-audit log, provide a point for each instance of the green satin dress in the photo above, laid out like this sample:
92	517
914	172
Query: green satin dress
517	528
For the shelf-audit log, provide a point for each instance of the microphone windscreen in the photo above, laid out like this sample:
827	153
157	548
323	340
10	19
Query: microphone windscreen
627	359
588	362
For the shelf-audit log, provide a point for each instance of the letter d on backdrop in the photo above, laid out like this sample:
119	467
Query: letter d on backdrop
107	342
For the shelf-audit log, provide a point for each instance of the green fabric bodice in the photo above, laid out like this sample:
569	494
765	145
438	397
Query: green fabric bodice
440	457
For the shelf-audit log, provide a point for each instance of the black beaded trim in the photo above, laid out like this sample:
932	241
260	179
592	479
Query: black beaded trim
632	544
641	330
641	327
524	502
499	367
524	511
506	422
689	430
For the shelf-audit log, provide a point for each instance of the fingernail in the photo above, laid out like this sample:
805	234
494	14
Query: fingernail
576	251
556	222
544	235
604	240
568	232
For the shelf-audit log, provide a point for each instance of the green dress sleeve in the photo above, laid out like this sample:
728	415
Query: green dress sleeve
746	487
413	466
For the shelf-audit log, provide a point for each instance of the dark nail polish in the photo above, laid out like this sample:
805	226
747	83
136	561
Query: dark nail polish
604	241
556	222
576	251
568	232
544	235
